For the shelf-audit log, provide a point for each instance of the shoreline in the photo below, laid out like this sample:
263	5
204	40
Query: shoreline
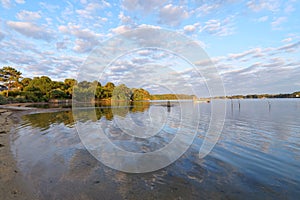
12	185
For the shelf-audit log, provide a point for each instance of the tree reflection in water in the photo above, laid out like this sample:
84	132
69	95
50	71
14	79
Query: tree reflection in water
107	110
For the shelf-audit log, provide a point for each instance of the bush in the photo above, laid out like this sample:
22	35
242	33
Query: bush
57	94
33	96
3	100
21	99
13	93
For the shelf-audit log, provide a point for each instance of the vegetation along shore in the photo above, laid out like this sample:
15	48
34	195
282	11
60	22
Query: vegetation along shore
17	89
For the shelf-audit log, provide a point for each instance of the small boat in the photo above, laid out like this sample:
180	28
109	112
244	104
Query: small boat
202	101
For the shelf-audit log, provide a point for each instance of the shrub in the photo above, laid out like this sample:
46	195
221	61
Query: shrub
57	94
3	100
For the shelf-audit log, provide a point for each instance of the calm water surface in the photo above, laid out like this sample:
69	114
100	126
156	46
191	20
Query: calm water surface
257	156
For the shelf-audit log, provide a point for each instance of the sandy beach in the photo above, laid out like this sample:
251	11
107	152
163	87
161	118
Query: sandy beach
11	183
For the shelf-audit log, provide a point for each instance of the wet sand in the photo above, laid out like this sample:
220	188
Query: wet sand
11	183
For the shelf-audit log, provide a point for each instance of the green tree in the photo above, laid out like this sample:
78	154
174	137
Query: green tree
108	90
140	94
84	94
58	85
57	94
44	84
10	77
84	84
121	93
99	93
25	82
69	83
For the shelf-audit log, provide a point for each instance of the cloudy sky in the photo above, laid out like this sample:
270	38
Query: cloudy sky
254	44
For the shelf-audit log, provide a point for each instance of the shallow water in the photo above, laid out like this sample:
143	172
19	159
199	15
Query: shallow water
257	156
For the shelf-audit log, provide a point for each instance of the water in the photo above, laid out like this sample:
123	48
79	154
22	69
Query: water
257	156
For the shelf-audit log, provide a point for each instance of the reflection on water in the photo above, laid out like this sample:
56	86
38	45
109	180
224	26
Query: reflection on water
45	120
257	157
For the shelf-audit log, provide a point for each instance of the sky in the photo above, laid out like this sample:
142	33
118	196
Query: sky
253	44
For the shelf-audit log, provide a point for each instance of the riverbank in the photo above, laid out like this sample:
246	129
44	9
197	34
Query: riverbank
11	183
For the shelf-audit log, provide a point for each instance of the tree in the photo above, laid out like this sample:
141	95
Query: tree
10	77
84	84
82	94
109	86
122	93
25	82
69	83
44	84
108	90
140	94
57	94
58	85
99	93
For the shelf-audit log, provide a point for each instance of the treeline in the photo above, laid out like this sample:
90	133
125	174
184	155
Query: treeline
261	96
15	88
93	91
41	89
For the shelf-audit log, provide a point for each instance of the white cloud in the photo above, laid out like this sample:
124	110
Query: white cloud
289	7
49	7
28	15
172	15
263	19
2	35
270	75
83	46
86	39
218	27
269	67
206	9
277	22
287	40
191	28
20	1
124	19
79	32
148	26
38	62
61	45
130	4
259	5
6	3
120	29
91	8
31	30
289	47
255	51
142	5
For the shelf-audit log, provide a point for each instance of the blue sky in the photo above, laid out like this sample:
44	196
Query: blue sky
254	43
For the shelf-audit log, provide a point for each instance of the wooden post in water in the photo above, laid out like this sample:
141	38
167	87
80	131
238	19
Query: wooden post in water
231	107
169	106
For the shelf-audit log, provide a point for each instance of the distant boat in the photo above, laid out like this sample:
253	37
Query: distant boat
201	100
